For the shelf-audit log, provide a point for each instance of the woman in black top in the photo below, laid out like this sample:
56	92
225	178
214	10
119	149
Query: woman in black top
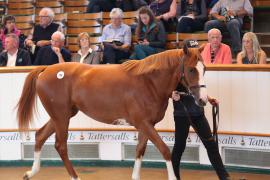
191	16
150	35
186	113
165	11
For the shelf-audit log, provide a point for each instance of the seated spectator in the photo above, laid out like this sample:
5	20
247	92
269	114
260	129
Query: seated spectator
150	35
100	5
13	55
214	51
165	10
191	16
251	51
229	17
116	38
54	53
211	3
86	54
130	5
95	6
41	33
9	26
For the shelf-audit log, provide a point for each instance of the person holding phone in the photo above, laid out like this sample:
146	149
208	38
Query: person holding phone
150	35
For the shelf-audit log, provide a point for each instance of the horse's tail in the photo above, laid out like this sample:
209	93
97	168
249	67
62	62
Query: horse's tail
27	102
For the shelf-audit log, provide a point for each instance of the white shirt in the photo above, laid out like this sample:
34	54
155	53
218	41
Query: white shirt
12	59
83	57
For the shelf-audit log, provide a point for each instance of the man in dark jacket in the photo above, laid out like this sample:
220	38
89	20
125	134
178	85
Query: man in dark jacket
55	53
41	33
13	56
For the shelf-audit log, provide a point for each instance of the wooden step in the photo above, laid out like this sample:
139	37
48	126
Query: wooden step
260	19
264	38
266	48
261	3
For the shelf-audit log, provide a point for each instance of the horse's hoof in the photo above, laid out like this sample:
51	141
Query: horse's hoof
25	177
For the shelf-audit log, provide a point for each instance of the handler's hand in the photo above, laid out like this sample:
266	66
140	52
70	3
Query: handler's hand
175	95
213	101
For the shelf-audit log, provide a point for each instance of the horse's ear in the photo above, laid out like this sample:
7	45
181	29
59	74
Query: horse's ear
185	49
201	48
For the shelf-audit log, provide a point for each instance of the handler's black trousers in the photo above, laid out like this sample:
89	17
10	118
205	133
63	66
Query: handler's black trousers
200	124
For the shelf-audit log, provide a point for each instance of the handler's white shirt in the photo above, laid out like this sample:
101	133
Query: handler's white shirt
12	59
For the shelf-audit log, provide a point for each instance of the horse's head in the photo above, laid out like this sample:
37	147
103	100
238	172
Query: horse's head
192	74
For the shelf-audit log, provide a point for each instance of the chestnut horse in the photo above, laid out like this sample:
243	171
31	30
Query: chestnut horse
135	92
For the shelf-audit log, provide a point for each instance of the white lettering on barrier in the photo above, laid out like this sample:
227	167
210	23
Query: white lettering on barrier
127	136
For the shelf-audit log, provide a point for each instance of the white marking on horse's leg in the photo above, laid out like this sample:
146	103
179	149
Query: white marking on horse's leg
36	165
203	91
75	178
137	169
171	175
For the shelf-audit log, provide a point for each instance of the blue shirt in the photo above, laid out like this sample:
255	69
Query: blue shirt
122	33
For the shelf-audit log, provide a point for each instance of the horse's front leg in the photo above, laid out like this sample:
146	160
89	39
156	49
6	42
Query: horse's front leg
141	146
148	129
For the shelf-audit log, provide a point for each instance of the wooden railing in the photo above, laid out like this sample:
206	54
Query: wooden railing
210	67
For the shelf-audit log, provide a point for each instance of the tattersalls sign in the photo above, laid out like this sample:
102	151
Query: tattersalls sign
253	142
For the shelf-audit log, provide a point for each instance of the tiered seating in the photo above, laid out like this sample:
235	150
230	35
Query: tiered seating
261	3
25	23
129	17
175	40
78	6
76	23
200	37
83	22
56	6
24	7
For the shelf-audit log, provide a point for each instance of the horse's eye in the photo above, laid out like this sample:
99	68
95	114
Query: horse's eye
192	70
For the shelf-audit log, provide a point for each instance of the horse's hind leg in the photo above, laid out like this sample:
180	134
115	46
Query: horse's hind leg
41	136
141	146
149	130
61	130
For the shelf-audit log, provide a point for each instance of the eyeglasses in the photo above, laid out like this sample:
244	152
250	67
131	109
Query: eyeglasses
116	18
10	22
43	16
84	39
55	41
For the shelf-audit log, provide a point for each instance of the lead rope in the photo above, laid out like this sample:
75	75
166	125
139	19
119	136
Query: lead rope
215	114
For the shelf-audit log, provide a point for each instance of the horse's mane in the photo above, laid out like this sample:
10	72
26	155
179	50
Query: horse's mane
156	62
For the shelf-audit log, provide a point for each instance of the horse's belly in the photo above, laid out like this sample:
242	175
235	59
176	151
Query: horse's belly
121	122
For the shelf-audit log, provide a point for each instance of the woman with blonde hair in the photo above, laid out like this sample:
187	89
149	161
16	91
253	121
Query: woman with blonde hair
86	54
251	51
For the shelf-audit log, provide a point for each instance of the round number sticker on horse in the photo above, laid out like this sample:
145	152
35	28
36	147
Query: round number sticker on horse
60	75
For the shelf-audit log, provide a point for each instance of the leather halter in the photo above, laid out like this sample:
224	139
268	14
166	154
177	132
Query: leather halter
183	79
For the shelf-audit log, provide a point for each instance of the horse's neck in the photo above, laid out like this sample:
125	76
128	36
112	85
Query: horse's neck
165	81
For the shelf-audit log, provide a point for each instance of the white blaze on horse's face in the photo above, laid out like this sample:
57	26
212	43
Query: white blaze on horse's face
202	99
